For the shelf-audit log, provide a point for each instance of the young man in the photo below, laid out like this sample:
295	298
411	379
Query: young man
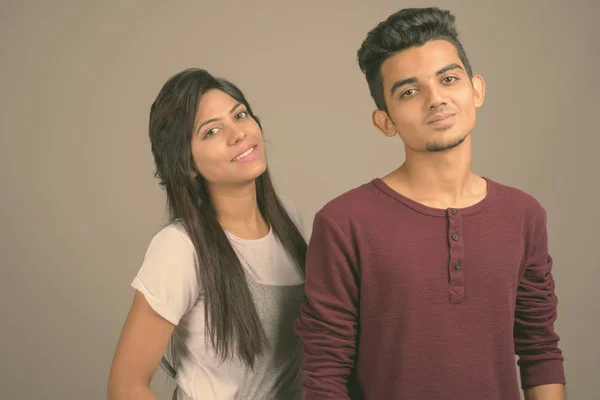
425	283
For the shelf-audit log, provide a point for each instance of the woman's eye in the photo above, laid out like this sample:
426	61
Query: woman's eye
242	114
211	132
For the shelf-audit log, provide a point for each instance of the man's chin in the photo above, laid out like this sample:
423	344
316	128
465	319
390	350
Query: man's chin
438	146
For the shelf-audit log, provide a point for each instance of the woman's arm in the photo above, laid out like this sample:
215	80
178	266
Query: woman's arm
142	343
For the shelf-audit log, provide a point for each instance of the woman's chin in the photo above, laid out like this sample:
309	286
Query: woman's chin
250	173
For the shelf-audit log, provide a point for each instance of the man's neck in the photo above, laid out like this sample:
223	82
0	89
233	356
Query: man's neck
439	179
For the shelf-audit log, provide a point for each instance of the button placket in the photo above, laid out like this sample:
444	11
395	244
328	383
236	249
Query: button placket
456	290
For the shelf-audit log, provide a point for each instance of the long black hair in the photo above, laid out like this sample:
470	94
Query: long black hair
232	322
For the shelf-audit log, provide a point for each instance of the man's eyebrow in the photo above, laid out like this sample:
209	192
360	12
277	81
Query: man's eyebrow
401	83
449	68
406	81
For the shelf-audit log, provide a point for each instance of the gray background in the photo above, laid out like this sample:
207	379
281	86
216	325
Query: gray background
79	202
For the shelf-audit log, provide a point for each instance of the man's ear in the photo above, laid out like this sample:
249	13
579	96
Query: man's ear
383	122
478	90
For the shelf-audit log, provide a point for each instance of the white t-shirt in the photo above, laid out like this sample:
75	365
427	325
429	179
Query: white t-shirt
169	281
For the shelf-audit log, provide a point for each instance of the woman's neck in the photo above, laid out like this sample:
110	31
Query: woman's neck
238	212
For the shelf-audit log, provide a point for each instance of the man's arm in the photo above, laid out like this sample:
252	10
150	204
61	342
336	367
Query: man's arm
536	342
554	391
328	320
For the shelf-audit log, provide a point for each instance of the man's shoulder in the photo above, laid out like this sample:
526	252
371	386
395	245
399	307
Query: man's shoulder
519	200
349	202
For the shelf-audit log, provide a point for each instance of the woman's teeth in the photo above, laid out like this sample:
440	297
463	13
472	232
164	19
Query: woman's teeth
244	154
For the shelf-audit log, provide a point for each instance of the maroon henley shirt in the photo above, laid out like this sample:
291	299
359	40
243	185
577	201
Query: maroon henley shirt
411	302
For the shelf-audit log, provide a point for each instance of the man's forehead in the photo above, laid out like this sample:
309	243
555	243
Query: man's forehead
421	61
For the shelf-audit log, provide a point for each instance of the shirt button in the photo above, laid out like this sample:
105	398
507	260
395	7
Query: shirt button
453	211
457	266
455	236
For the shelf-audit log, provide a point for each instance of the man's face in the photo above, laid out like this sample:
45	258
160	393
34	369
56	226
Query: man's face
430	99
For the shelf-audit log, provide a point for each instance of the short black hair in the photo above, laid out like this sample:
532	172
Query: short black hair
406	28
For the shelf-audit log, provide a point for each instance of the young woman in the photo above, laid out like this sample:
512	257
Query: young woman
223	282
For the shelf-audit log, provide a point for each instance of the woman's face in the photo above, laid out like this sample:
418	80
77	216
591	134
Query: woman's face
227	144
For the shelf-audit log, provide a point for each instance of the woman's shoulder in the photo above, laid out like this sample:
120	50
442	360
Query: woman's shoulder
168	277
171	237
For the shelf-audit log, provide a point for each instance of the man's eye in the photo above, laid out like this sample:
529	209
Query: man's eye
408	92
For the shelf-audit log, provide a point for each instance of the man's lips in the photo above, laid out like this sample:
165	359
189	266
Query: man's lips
440	117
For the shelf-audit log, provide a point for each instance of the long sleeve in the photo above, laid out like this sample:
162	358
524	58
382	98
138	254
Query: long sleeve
328	321
536	342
